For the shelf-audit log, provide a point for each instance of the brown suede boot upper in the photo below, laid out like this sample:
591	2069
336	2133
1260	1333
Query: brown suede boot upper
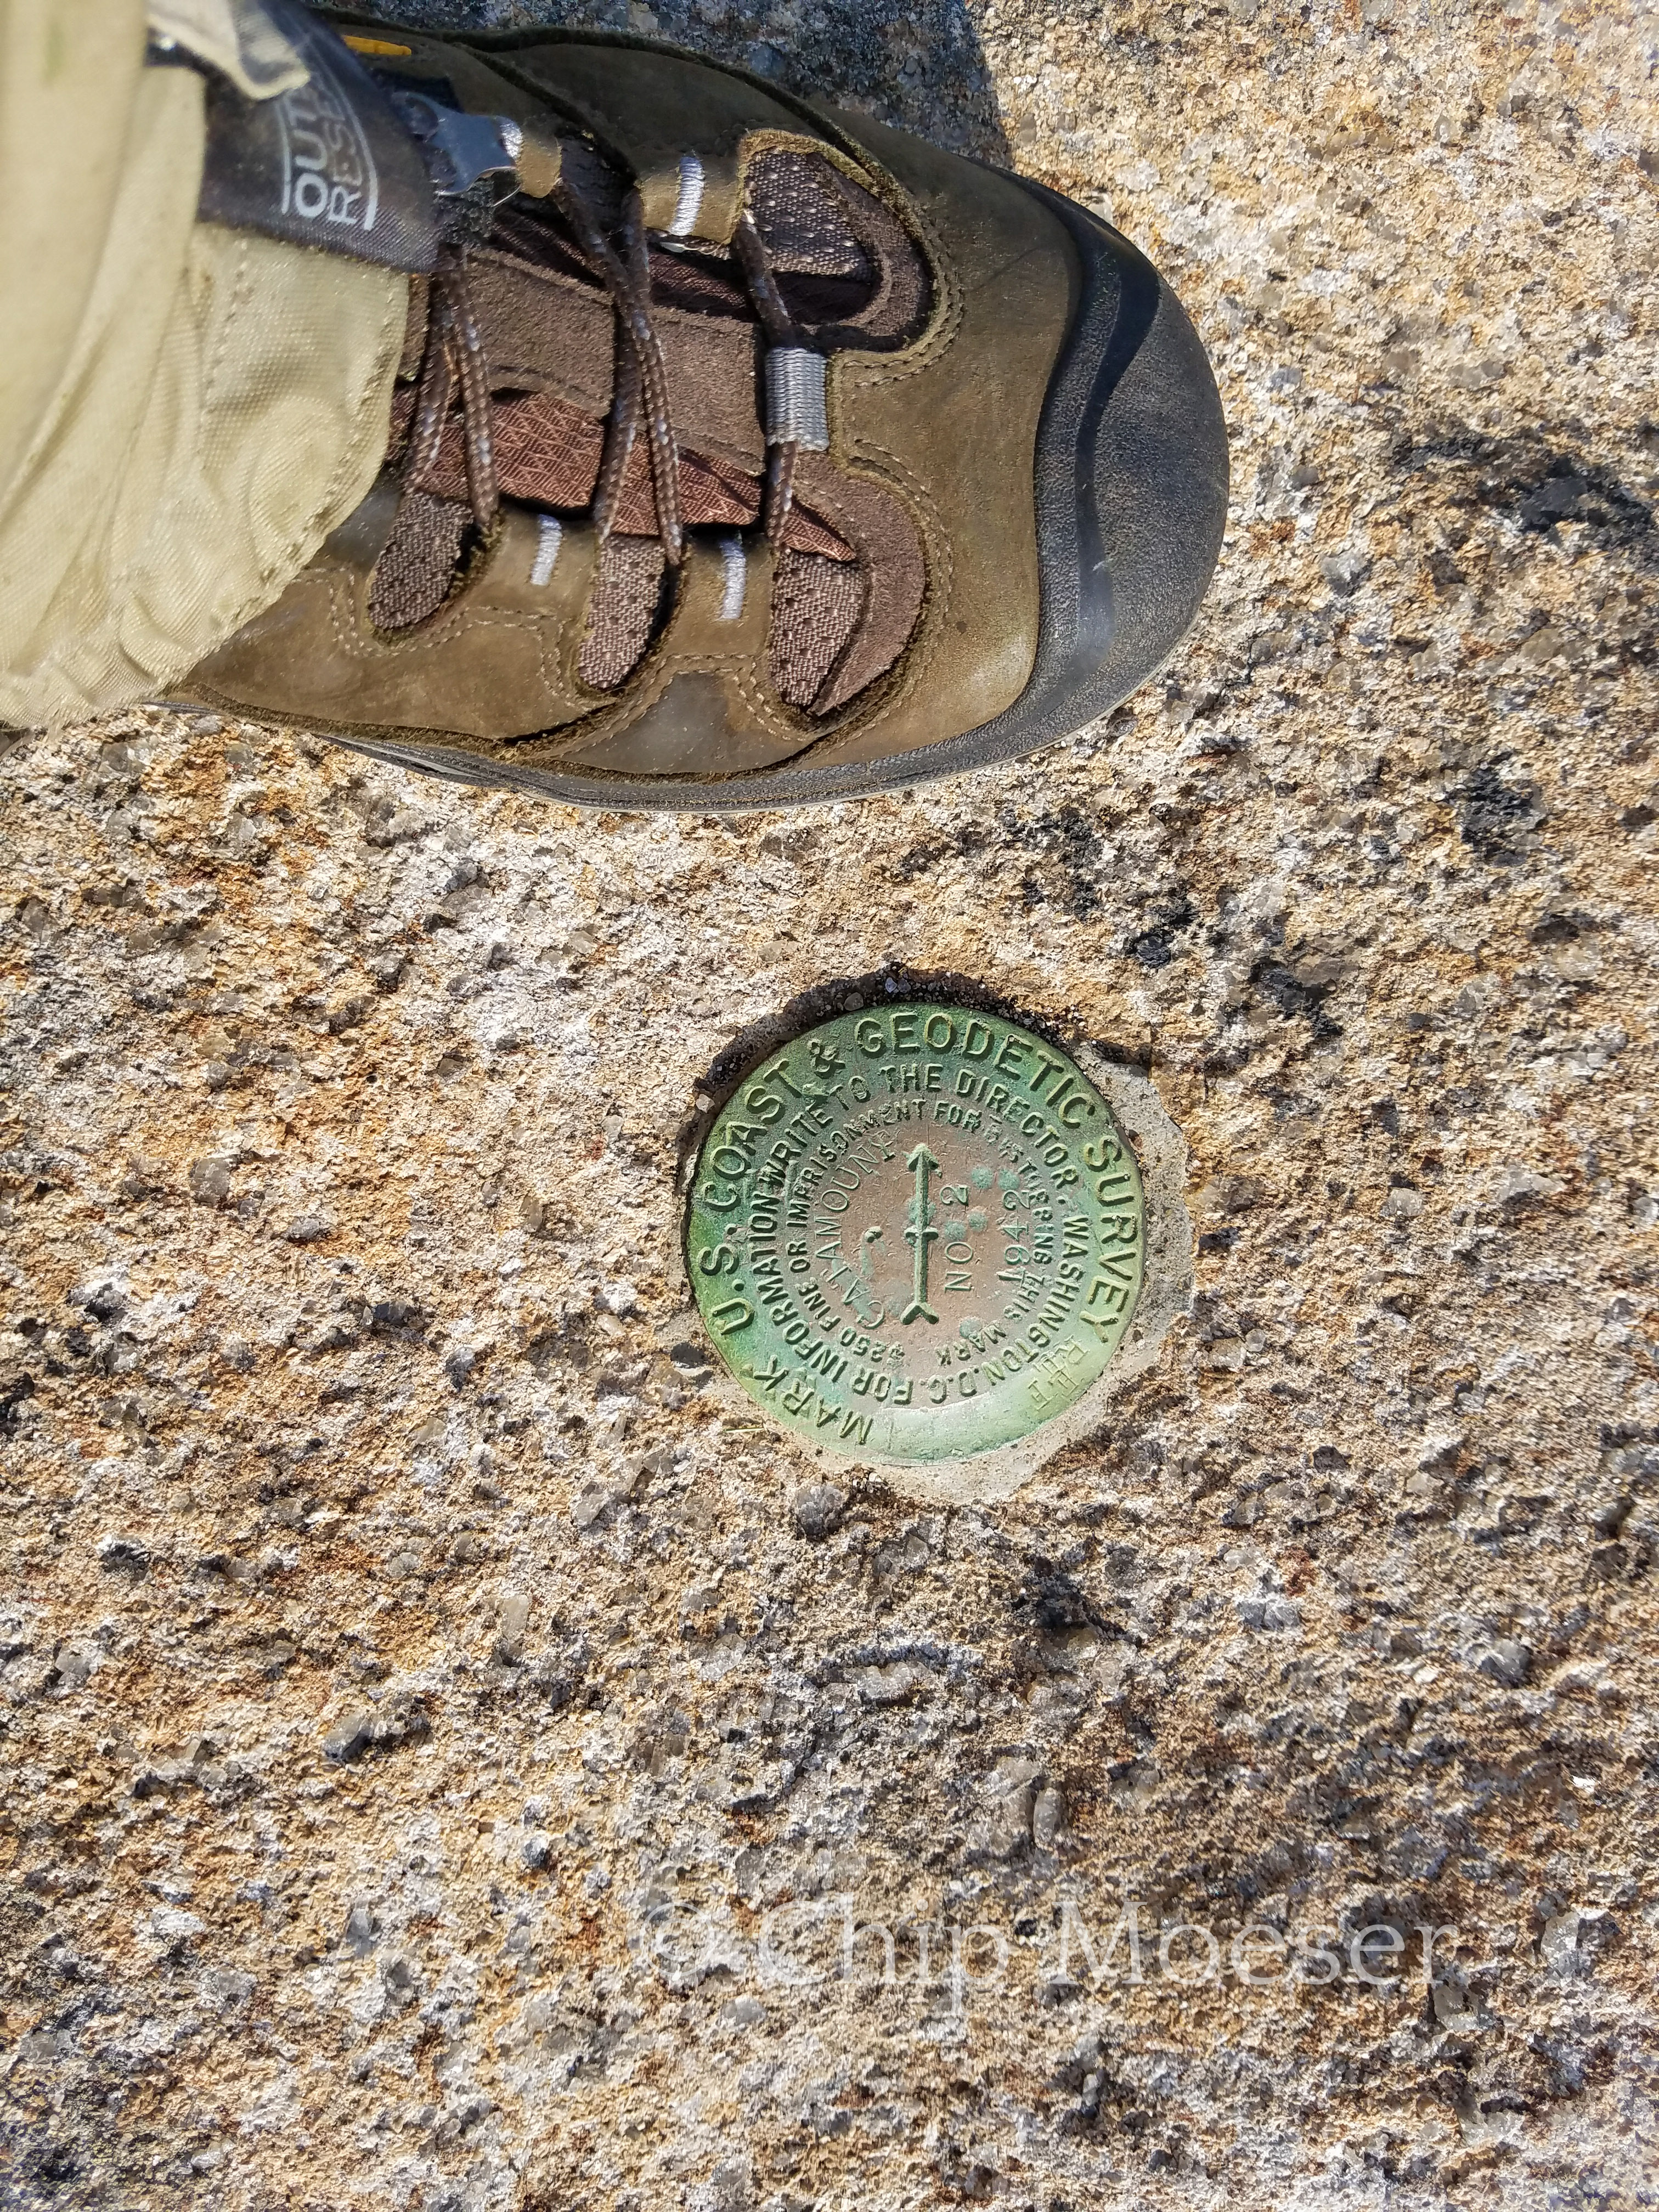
585	554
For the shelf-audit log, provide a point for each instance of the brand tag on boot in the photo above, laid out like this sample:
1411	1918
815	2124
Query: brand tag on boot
328	164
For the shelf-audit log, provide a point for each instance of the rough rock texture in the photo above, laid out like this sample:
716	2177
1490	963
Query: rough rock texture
438	1744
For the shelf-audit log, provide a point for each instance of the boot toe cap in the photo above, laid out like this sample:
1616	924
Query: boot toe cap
1151	488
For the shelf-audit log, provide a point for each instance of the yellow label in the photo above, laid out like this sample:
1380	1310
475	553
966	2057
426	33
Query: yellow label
374	46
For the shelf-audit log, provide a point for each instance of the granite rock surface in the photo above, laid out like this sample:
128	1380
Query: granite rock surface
452	1760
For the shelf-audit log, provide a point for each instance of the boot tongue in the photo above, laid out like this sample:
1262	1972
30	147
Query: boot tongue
845	268
549	332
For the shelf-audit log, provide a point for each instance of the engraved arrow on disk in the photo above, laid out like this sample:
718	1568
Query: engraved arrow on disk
919	1235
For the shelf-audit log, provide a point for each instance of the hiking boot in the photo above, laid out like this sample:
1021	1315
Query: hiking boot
744	452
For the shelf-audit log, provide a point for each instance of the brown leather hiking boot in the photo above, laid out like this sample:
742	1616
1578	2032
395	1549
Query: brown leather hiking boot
744	452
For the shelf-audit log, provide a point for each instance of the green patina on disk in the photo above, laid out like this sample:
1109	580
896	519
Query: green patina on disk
916	1233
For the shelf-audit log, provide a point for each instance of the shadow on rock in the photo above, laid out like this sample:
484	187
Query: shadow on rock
916	65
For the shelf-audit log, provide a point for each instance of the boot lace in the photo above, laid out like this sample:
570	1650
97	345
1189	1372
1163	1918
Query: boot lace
454	358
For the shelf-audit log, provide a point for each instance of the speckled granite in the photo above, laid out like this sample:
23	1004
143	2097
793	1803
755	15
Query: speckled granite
452	1761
